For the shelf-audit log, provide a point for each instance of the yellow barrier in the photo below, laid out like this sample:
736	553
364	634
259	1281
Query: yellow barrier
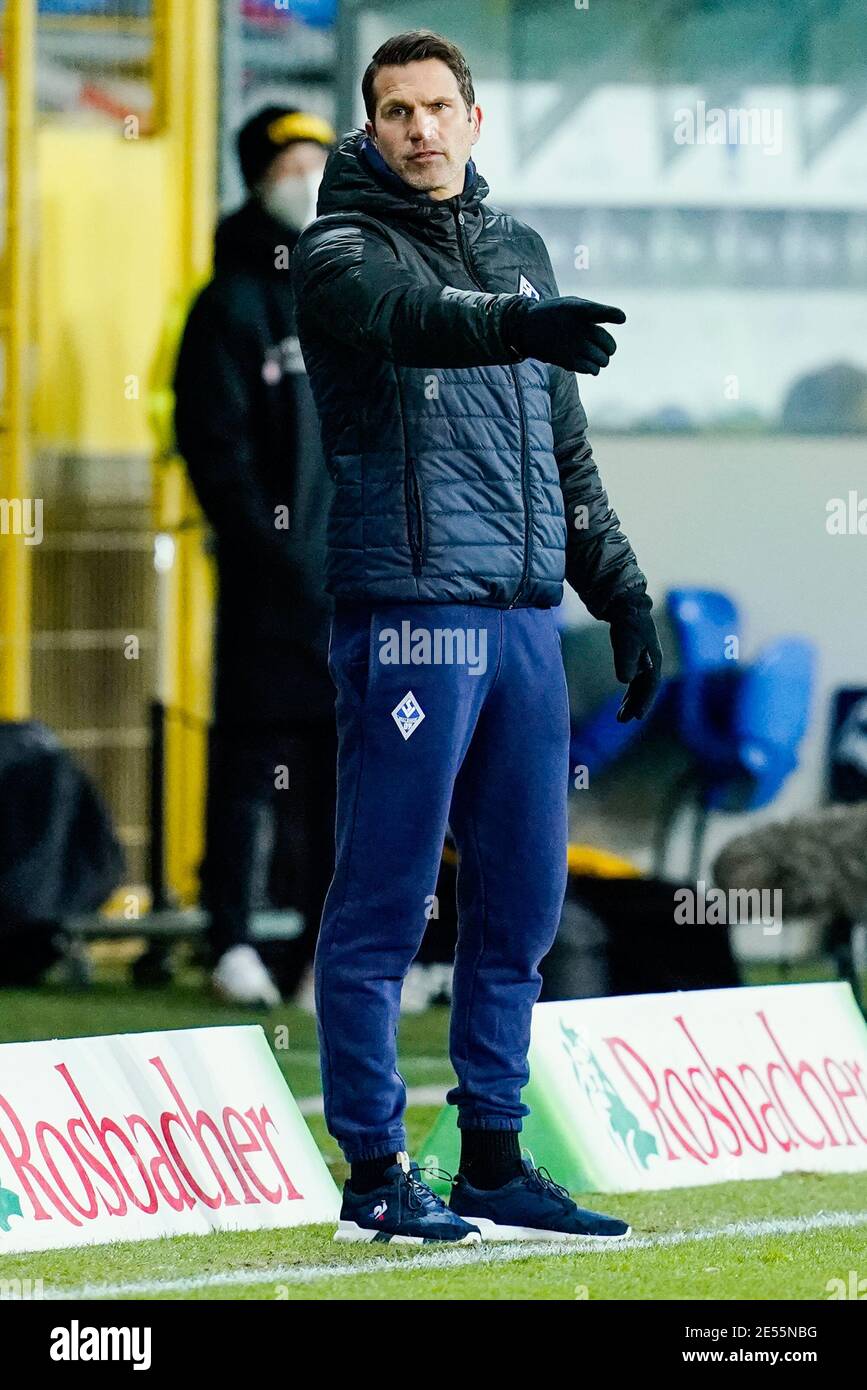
186	69
16	335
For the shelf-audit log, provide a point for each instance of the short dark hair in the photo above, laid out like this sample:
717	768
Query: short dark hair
413	47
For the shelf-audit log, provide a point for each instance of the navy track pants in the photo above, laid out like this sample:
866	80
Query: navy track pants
448	715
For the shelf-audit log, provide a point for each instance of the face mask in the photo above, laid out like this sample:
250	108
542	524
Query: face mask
292	199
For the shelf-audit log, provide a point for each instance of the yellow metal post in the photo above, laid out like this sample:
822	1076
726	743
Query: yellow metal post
16	331
185	73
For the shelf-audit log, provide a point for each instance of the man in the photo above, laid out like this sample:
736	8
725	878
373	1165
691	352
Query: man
246	425
441	359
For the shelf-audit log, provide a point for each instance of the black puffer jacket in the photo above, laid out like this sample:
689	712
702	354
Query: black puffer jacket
456	464
246	425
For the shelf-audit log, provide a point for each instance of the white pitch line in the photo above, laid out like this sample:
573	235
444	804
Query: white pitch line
485	1254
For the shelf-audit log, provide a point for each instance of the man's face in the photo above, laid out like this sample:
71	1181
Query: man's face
422	127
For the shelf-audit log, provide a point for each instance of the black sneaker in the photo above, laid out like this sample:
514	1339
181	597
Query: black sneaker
532	1207
403	1211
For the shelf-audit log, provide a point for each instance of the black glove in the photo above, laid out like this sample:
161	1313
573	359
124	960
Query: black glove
563	331
637	653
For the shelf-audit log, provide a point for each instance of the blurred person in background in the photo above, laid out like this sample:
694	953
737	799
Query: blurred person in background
247	428
442	359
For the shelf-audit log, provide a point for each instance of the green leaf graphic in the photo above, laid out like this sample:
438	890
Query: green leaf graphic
9	1206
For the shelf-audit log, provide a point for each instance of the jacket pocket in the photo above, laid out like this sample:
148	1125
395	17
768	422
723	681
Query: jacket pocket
415	527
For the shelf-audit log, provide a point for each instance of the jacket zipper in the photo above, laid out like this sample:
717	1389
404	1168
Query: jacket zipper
413	509
411	497
468	266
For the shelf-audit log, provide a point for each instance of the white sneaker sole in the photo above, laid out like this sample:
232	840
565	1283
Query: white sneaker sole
245	1001
349	1230
492	1230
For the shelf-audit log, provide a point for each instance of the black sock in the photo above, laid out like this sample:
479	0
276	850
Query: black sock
490	1157
369	1173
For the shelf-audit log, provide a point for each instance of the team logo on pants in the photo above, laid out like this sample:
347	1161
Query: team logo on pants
408	714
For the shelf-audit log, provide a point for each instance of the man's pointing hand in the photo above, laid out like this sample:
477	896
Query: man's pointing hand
564	331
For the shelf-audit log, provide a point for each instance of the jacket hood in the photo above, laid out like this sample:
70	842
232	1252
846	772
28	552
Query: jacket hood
357	179
246	240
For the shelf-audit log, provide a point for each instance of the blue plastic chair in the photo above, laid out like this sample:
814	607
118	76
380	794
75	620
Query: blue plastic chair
744	727
771	716
703	621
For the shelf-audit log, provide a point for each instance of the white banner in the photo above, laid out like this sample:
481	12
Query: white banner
684	1088
152	1134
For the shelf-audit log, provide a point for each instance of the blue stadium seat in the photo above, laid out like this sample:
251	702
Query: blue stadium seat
743	725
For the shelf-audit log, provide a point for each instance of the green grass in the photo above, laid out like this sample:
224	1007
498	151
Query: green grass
761	1266
719	1268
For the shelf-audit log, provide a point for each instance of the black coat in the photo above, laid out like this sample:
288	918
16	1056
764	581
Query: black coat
463	473
246	425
